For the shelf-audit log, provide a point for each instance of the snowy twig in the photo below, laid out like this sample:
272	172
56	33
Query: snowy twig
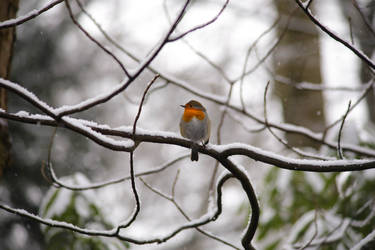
316	87
370	237
114	233
216	151
325	29
32	14
307	244
339	149
179	208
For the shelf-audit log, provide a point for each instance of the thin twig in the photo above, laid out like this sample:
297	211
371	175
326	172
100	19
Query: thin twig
339	149
249	50
369	87
325	29
365	20
184	214
132	177
87	34
307	244
126	83
285	143
309	3
46	167
175	183
198	53
270	50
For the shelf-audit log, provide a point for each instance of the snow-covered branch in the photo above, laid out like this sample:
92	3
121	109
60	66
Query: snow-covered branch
32	14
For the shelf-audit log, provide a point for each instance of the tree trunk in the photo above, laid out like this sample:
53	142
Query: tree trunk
297	58
8	10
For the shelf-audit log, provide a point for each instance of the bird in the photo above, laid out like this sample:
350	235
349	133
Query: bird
195	125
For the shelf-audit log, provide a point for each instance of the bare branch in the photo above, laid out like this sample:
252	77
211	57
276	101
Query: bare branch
96	101
326	30
365	20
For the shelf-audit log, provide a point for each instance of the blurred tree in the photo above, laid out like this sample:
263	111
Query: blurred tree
34	51
8	10
297	58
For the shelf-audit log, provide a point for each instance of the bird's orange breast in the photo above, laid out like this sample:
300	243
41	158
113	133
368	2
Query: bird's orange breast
189	113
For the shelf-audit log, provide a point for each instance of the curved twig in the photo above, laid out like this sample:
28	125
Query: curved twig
179	208
132	177
211	216
339	149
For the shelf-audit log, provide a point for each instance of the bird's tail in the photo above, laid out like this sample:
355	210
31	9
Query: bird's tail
194	153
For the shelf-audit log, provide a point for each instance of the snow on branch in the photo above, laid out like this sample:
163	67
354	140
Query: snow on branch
116	233
92	129
32	14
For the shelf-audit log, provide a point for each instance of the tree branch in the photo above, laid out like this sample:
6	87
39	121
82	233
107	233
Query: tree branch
326	30
32	14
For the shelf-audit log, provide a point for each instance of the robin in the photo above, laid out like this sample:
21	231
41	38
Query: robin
195	125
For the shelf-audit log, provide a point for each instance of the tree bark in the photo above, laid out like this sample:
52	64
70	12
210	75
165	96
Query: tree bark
8	10
297	57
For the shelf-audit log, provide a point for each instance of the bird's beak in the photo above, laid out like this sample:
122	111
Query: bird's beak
182	106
